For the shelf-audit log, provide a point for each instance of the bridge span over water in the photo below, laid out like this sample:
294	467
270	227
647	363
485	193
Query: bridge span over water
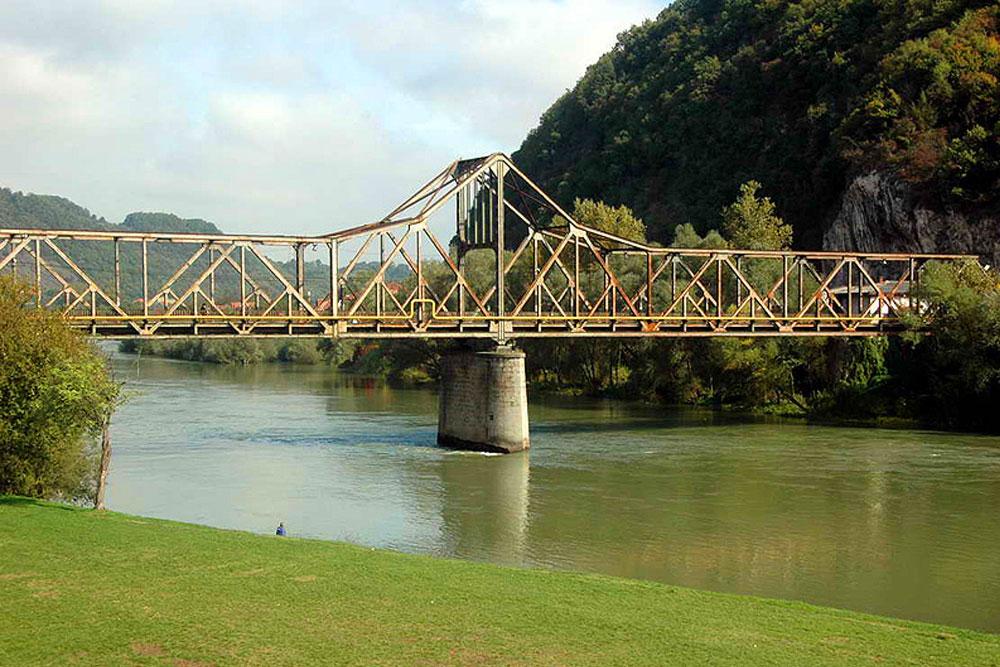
478	252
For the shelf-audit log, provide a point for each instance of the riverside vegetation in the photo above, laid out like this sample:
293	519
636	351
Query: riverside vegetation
56	397
945	373
117	589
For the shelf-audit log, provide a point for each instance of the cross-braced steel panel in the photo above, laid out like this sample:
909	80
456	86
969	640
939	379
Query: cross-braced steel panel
517	266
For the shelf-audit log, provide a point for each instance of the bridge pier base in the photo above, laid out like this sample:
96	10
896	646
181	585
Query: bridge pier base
484	402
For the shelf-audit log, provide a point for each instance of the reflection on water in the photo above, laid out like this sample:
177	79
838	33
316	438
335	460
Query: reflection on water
894	522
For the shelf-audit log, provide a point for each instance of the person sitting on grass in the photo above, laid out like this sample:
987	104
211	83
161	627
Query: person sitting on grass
281	529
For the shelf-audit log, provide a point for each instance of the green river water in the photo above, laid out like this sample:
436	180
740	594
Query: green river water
903	523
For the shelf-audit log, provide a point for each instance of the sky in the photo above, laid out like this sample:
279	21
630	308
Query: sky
278	117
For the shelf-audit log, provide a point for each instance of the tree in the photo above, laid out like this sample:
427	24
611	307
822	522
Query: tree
685	236
935	114
954	372
56	397
751	224
620	221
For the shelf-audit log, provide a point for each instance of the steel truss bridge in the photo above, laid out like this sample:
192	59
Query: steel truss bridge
516	266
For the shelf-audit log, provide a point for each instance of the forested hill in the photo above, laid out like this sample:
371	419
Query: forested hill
805	97
30	211
167	222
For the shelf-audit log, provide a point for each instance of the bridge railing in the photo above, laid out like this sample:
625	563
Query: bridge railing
517	266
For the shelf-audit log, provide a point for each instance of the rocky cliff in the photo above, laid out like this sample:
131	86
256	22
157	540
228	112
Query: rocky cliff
880	212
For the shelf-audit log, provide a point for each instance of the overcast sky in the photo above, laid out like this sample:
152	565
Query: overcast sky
278	116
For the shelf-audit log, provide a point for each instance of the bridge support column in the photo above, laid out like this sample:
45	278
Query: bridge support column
484	401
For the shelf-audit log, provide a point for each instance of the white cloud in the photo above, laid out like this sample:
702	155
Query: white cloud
495	66
301	116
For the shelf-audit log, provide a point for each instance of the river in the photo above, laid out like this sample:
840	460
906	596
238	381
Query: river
895	522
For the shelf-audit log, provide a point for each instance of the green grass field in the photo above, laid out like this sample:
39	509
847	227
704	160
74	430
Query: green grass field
96	588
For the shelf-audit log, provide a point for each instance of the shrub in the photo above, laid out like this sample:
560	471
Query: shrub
56	393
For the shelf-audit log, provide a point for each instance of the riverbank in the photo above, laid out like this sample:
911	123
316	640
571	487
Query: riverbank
370	366
104	588
412	364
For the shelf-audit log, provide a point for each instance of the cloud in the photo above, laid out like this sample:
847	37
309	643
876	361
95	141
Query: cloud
494	66
295	117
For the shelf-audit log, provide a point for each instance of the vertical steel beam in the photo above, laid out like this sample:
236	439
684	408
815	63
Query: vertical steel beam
300	268
739	283
576	277
605	291
534	275
821	293
784	286
673	278
118	272
243	280
460	268
211	277
461	221
420	277
490	216
378	285
460	213
850	289
718	288
500	243
801	285
38	273
649	284
145	279
334	269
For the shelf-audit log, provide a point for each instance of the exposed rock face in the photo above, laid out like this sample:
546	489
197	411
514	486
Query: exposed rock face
879	212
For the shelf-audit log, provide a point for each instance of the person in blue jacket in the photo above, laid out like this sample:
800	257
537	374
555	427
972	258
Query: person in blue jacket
281	529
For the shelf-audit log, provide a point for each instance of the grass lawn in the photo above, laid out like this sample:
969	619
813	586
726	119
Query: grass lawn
99	588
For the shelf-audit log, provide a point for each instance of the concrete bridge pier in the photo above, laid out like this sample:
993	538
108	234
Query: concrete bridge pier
484	401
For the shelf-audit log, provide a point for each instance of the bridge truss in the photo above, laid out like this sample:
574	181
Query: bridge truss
517	265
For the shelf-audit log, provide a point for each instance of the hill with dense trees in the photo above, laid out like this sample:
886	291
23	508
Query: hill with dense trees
19	210
869	122
24	210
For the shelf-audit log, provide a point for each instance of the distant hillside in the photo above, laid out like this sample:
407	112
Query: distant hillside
20	210
167	222
30	211
26	211
869	122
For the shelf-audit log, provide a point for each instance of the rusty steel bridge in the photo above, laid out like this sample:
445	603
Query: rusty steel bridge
517	266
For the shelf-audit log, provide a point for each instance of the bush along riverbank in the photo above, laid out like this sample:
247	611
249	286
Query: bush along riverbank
57	398
239	351
89	587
